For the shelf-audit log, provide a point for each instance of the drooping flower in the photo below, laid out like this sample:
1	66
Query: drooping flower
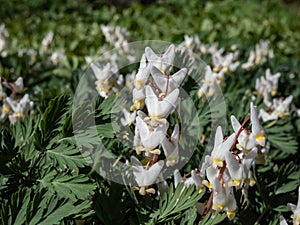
145	177
220	147
170	147
20	108
257	130
162	61
296	210
129	118
150	137
167	83
159	110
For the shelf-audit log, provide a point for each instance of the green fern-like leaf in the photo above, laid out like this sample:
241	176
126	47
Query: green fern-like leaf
28	206
72	186
281	136
173	202
51	122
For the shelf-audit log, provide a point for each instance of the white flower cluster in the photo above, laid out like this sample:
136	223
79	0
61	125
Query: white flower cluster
266	86
14	107
210	82
108	78
116	36
156	88
3	40
259	55
47	40
296	212
194	45
229	164
221	63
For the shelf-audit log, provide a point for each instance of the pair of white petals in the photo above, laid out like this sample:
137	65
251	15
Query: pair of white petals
145	177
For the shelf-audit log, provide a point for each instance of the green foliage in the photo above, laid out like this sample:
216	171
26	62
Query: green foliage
173	202
47	175
282	136
31	207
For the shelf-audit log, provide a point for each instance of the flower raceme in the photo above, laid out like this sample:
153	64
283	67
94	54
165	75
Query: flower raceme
157	89
14	107
230	162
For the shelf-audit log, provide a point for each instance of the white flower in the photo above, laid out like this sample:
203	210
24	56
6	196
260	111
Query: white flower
191	42
145	178
18	85
107	78
20	109
117	36
220	147
239	170
257	130
2	93
129	118
223	199
167	83
296	210
177	177
150	137
225	63
3	37
282	221
194	179
267	84
5	110
170	147
142	74
259	55
210	82
246	141
138	98
47	40
58	56
163	62
279	108
160	109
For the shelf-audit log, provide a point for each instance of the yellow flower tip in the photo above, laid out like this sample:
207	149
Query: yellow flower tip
210	93
135	188
252	182
148	154
139	84
201	189
171	161
155	151
200	94
225	68
142	191
261	139
273	92
217	162
138	152
138	103
219	80
18	115
217	207
230	214
5	109
150	191
133	107
207	184
237	182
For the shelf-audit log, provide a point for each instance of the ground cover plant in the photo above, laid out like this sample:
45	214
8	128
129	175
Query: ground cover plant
99	125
